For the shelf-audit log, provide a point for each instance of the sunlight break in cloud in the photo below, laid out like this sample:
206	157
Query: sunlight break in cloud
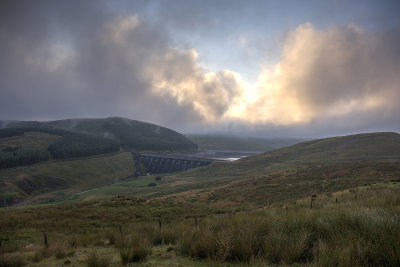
321	74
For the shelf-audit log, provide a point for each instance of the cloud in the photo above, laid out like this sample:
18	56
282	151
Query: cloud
326	74
72	59
210	94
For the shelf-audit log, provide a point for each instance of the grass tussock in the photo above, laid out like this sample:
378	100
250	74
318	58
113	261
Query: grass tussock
41	254
345	234
94	259
133	248
12	260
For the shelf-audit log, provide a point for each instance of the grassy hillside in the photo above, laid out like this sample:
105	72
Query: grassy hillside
319	166
359	227
130	133
335	149
48	180
274	177
351	147
328	202
220	142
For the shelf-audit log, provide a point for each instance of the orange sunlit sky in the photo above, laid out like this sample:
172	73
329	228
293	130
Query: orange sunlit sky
258	68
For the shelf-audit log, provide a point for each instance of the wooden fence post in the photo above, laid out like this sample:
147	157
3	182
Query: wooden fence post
45	239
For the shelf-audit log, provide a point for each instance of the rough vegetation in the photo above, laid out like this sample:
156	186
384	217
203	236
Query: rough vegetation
329	202
359	227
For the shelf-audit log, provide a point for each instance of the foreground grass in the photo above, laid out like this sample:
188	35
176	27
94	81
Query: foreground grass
361	228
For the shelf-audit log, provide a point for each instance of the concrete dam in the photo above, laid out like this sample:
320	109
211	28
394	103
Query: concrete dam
148	163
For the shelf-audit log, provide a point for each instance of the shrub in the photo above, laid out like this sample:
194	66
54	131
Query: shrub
152	184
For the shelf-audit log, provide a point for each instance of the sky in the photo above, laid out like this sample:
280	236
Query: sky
256	68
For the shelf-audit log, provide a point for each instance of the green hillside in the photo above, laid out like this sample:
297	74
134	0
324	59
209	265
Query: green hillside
277	176
131	134
220	142
319	166
24	146
48	180
328	202
385	145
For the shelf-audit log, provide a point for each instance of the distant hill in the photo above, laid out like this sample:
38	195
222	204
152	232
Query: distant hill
130	134
383	145
275	142
222	142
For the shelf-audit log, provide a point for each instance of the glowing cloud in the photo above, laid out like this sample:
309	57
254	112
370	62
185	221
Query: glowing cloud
321	74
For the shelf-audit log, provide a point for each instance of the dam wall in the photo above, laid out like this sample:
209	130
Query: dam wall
149	163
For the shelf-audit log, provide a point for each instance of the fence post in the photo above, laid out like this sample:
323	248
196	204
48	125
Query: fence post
120	229
45	239
311	203
336	200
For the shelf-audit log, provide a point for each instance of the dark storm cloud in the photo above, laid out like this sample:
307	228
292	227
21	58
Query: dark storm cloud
77	58
65	59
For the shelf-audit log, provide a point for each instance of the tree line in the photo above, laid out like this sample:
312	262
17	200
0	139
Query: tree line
80	145
70	145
